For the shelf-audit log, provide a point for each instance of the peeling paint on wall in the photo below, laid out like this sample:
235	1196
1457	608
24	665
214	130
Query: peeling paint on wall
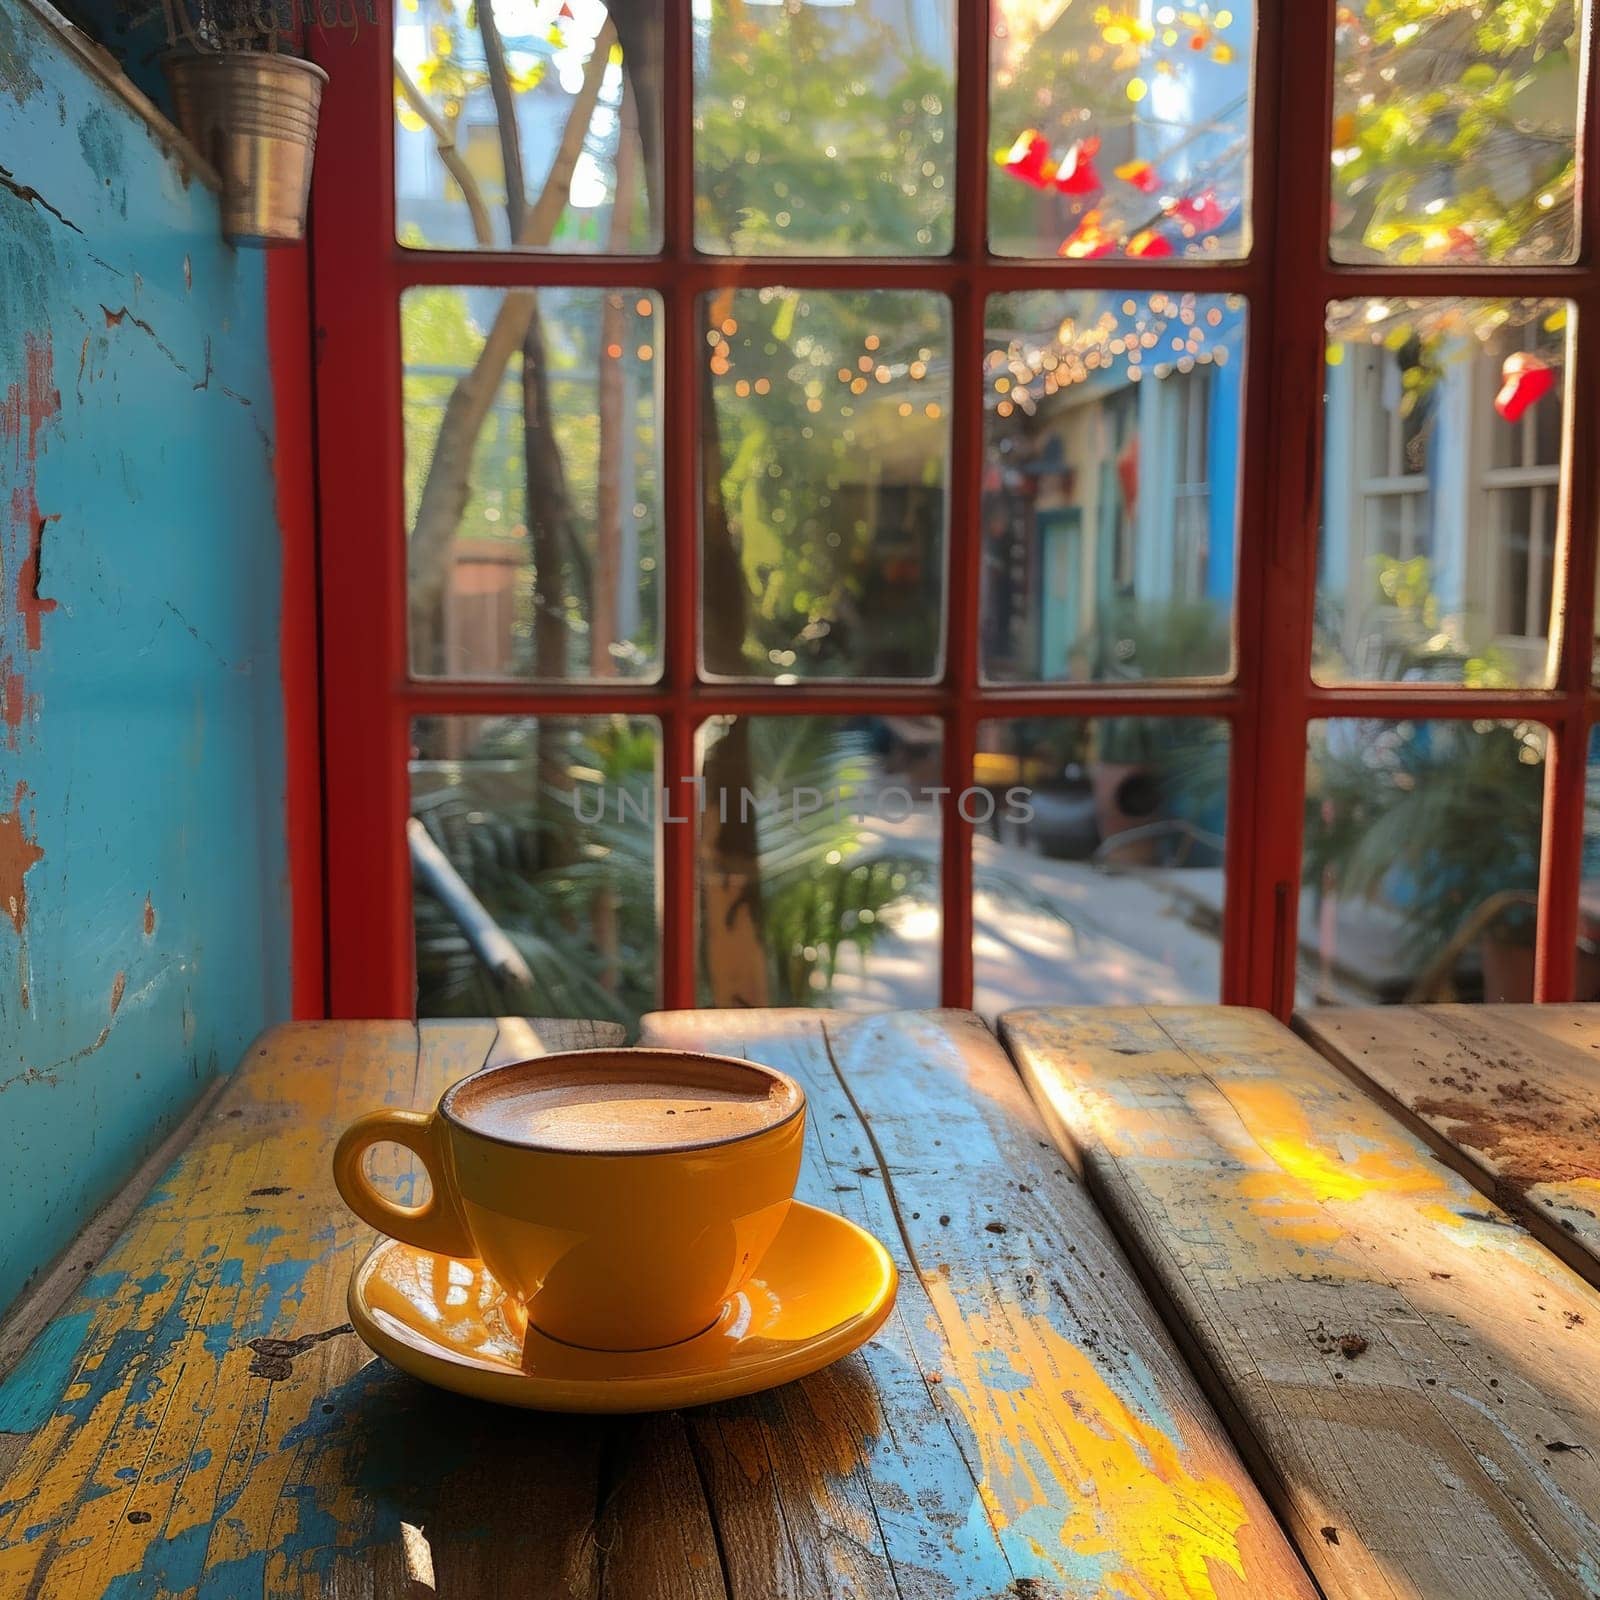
138	606
30	402
19	854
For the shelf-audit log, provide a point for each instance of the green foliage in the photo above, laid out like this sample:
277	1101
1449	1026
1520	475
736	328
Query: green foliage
826	880
1431	818
490	818
441	337
1454	138
439	342
1165	642
1406	636
833	498
820	131
825	131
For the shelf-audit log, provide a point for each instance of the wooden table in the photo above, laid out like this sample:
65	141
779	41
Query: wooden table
197	1418
1415	1380
1508	1095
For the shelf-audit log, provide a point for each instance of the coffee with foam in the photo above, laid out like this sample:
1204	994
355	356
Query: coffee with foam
623	1102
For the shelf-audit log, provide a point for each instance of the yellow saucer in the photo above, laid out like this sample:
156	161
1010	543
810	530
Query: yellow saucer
824	1287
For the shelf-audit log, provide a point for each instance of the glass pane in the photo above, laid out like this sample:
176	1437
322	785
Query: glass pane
824	128
1097	869
1110	485
1421	861
581	130
533	853
819	861
1441	487
1121	130
533	552
1455	131
823	536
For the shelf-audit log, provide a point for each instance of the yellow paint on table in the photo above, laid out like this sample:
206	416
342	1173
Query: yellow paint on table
183	1448
1085	1441
1066	1428
1418	1380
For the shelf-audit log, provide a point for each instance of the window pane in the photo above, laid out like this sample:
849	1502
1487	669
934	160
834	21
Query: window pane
533	552
1110	504
533	850
1455	132
582	90
819	861
1421	861
1121	130
1441	487
824	129
823	537
1098	861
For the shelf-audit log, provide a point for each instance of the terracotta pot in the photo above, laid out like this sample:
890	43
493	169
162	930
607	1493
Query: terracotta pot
1126	796
1508	973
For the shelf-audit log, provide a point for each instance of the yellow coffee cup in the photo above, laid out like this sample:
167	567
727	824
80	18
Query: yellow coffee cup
623	1196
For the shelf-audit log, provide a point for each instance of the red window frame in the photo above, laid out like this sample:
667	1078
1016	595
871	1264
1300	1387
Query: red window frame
369	697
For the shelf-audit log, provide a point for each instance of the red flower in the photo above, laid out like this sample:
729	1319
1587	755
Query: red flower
1089	240
1150	245
1526	380
1141	175
1202	211
1029	159
1076	174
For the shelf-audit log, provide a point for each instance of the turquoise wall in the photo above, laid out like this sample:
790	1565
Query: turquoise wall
143	904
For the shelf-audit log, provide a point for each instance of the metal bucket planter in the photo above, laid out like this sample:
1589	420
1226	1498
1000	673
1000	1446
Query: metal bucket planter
253	115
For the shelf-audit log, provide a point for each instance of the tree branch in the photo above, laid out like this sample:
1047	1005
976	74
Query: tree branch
444	139
444	491
505	115
639	31
540	222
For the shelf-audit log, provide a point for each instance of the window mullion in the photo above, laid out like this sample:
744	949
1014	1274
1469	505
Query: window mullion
681	434
964	544
1282	471
1566	773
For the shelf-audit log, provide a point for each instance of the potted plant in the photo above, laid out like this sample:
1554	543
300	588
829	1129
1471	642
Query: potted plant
1440	822
249	105
1139	763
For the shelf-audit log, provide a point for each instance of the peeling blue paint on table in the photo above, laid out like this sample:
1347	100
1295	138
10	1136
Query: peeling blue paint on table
143	915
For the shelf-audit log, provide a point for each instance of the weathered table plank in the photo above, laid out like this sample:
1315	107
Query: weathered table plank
1415	1378
1022	1426
157	1443
1508	1095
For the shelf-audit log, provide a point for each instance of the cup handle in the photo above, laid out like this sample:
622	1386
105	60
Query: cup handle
435	1226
